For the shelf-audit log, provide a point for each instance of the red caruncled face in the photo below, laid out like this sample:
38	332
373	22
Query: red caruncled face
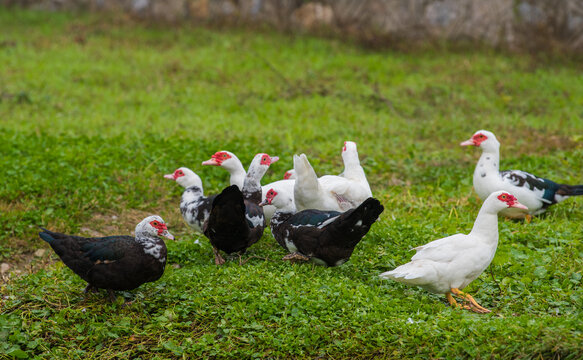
479	138
161	227
178	173
220	156
270	195
265	160
507	198
287	175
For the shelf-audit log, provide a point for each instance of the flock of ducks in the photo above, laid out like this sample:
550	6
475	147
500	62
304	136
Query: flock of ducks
318	219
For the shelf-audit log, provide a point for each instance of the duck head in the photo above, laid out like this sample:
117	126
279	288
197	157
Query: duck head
225	159
185	177
153	226
501	200
289	175
483	139
278	199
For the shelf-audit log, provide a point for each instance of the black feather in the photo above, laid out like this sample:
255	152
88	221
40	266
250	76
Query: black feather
112	262
228	228
331	242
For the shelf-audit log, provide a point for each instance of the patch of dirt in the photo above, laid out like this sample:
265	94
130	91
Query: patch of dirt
26	263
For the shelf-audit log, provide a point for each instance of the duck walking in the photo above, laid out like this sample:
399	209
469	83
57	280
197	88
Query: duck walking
114	262
536	193
448	265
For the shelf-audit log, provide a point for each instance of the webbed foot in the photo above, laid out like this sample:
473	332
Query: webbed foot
296	257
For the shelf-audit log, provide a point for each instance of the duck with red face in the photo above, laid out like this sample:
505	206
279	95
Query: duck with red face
536	193
194	206
114	262
448	265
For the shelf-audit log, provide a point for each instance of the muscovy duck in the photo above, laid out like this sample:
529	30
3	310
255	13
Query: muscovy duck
114	262
447	265
230	162
536	193
236	221
194	206
329	192
325	237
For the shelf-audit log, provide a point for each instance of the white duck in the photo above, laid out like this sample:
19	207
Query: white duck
329	192
447	265
537	194
228	161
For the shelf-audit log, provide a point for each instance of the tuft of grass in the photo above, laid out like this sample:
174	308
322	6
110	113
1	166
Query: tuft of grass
94	110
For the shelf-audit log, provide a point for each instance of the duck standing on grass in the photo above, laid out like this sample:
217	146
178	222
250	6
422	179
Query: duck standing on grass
194	206
537	194
236	221
114	262
447	265
325	237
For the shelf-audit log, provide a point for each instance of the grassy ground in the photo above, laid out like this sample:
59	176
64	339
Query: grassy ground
93	112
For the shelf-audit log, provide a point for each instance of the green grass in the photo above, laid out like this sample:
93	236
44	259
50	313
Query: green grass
94	110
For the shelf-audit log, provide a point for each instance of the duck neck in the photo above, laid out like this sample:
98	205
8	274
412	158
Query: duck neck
252	184
190	195
238	175
352	169
486	224
489	162
152	245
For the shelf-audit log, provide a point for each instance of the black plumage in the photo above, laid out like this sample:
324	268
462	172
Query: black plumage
114	262
234	223
327	237
236	220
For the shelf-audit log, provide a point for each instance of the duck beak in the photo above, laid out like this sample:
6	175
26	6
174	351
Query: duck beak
169	176
519	206
263	203
468	143
211	162
273	159
167	235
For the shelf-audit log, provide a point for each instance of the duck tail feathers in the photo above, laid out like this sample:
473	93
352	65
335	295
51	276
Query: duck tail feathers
570	190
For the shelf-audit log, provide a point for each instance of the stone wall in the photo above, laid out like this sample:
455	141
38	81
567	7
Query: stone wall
530	24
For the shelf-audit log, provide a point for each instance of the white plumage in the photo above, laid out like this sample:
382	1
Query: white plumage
447	265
